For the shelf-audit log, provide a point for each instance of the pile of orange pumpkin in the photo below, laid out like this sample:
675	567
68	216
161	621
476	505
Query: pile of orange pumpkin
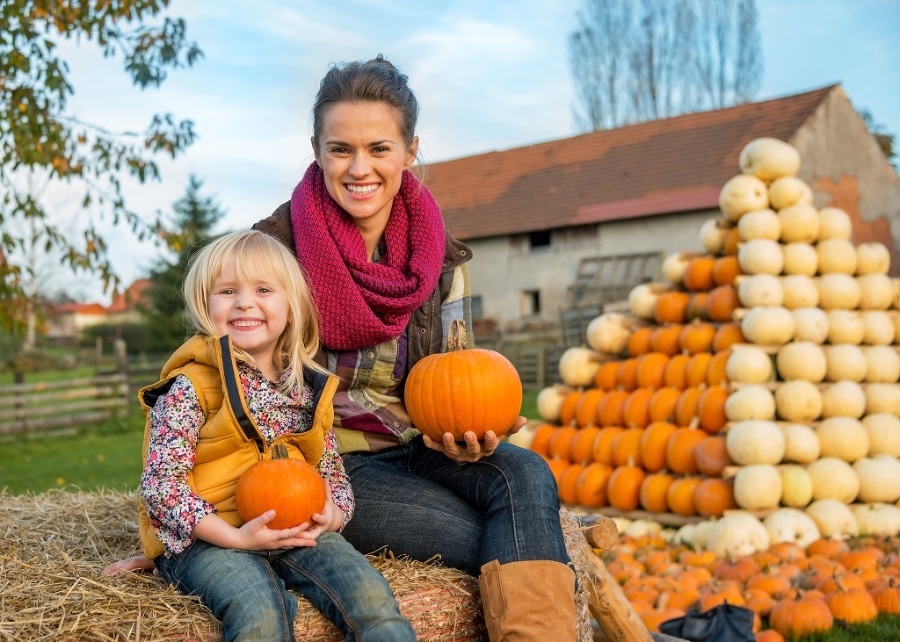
791	590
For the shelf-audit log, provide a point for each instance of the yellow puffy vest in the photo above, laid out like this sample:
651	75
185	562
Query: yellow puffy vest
230	442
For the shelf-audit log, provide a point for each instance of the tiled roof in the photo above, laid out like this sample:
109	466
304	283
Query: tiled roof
130	297
663	166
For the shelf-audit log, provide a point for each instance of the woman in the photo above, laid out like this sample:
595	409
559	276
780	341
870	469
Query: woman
390	284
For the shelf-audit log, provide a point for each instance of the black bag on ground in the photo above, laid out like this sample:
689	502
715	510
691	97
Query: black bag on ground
722	623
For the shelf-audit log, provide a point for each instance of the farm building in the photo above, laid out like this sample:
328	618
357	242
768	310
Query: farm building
553	224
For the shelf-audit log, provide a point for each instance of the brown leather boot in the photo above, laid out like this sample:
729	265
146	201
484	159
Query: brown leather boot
528	601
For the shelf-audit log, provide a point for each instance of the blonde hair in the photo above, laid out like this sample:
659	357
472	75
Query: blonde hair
255	254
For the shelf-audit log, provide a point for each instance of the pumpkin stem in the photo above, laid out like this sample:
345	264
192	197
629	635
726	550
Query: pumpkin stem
457	339
279	451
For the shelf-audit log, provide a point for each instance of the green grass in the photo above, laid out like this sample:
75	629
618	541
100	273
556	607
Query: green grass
101	456
883	629
529	404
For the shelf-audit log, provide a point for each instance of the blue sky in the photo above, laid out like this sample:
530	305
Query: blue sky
488	75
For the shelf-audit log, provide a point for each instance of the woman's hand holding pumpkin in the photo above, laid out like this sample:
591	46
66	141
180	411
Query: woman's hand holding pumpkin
472	449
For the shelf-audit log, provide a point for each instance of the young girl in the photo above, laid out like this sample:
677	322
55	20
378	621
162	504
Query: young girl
243	383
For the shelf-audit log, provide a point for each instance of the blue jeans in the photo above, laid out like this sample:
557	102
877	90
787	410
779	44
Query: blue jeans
247	590
420	503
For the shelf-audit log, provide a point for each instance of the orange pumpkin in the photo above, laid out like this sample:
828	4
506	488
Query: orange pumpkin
626	375
540	442
696	307
636	409
639	341
652	496
651	370
698	274
727	335
670	306
665	339
722	302
463	390
680	450
569	407
603	444
624	487
725	269
794	618
886	593
686	408
696	337
626	447
560	444
568	484
605	378
716	370
653	445
582	450
662	404
711	409
611	407
586	408
697	369
558	467
291	487
676	372
713	496
680	495
711	456
592	485
853	605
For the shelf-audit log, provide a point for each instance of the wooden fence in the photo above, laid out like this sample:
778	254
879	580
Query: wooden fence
27	407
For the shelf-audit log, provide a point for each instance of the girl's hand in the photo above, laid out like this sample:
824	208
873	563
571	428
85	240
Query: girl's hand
472	449
255	535
330	519
136	563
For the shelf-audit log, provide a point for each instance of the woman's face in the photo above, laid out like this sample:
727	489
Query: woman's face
362	153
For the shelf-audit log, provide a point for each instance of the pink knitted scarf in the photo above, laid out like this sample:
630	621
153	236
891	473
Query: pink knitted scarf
361	303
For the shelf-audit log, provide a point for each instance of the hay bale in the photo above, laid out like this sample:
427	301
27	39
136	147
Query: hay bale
53	547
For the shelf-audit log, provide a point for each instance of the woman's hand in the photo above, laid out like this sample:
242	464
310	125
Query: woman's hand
472	449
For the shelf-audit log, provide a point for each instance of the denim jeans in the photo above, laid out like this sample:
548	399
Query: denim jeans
420	503
247	590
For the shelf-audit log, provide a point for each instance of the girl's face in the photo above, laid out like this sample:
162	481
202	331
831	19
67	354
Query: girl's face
363	156
254	312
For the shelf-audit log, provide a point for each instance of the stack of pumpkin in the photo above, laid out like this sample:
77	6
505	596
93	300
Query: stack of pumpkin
761	375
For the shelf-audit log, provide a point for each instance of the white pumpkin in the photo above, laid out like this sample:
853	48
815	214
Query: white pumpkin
845	362
872	258
834	223
838	291
757	290
685	536
755	442
833	478
769	159
844	399
883	364
896	302
549	401
882	397
801	360
796	485
713	233
578	367
799	224
799	291
524	436
843	437
741	194
834	518
642	527
801	443
845	326
884	433
876	291
810	323
759	224
836	256
877	518
879	327
791	525
879	478
750	402
772	325
761	256
757	487
798	401
674	266
642	298
609	332
788	191
749	364
800	258
737	534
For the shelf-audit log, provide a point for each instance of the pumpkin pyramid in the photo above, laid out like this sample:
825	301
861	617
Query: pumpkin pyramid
760	375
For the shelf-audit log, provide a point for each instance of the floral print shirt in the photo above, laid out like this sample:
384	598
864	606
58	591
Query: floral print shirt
175	423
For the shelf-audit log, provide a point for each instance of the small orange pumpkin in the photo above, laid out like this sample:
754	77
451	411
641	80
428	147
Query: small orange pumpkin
291	487
463	390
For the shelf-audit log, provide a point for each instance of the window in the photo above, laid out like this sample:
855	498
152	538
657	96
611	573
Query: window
529	303
477	306
539	239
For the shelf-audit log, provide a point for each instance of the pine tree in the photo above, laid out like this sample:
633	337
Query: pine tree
195	218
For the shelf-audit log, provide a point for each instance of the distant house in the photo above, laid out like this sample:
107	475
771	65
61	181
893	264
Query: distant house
533	214
69	319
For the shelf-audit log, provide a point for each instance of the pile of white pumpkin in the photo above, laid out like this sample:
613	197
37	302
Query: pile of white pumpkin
814	407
